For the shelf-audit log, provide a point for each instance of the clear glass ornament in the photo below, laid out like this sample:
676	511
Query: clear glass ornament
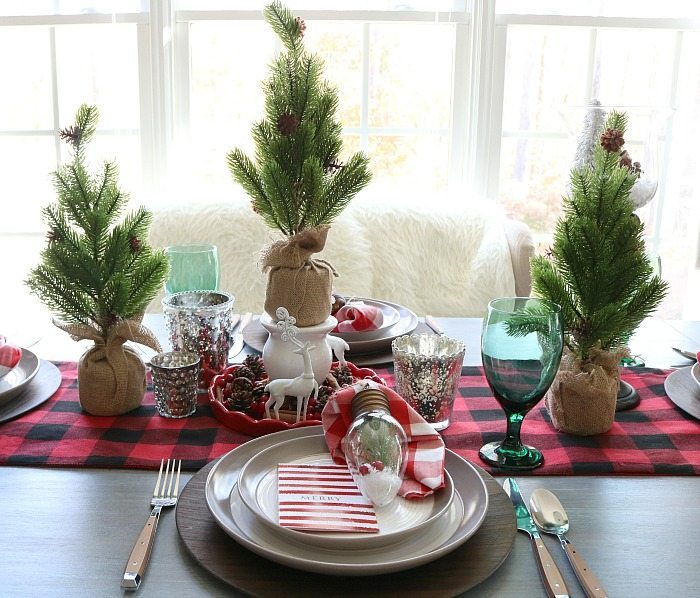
375	447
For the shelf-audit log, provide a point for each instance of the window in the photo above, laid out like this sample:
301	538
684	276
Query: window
456	101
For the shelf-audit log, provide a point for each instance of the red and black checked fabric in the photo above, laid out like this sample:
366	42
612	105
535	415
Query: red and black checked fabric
654	438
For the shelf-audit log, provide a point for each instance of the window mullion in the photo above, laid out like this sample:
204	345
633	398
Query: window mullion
155	81
480	96
364	100
54	93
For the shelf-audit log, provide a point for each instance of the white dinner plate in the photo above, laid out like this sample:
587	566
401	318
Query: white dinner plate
407	323
390	317
695	372
19	377
463	518
257	487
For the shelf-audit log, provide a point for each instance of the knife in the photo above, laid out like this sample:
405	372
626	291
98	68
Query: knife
433	325
237	345
551	577
692	355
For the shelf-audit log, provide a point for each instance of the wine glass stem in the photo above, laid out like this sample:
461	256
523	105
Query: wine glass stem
512	439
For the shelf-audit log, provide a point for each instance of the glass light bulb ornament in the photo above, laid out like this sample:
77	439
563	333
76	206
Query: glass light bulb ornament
375	447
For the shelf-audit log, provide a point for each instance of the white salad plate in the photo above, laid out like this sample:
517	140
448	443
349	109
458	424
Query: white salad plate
17	379
461	520
257	487
390	317
406	324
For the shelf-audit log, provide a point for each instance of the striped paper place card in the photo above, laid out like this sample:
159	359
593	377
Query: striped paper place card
322	498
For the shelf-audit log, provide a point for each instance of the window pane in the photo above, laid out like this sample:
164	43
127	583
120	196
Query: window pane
340	46
634	68
98	64
410	79
408	164
26	184
25	102
618	8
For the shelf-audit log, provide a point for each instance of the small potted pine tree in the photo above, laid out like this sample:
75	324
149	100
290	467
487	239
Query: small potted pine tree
98	274
298	183
598	272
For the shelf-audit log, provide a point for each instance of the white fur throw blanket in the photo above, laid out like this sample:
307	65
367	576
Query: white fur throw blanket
433	262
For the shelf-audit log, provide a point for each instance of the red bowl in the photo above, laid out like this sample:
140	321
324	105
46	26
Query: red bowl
240	422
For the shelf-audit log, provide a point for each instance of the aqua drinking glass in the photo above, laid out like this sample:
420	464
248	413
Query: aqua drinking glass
193	267
521	346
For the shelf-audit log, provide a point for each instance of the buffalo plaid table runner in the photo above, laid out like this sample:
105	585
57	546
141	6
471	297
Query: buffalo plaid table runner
654	438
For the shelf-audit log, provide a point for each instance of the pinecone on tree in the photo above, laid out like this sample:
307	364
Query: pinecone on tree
343	375
612	140
256	365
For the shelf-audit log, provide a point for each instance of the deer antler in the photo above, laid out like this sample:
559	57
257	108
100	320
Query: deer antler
286	324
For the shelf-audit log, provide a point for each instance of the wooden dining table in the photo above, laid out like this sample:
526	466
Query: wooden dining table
67	531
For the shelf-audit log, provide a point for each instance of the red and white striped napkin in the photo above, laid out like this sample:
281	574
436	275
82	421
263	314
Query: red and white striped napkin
425	471
322	497
358	317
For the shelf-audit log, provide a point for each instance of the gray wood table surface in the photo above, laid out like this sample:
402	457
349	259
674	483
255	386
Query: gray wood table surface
68	532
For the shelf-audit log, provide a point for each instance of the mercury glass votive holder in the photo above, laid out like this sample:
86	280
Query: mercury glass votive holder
200	322
427	368
175	381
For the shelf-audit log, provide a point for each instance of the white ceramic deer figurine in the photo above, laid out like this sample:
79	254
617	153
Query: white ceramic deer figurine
299	387
338	346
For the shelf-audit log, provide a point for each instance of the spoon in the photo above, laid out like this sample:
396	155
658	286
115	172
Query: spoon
551	518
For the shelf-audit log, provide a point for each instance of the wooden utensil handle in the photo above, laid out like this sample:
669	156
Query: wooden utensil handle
138	559
588	580
553	581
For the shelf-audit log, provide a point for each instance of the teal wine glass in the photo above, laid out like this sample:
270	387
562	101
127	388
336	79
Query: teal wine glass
521	345
193	267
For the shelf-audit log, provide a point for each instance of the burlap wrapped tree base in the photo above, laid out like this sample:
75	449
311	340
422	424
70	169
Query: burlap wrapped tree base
111	377
297	282
583	396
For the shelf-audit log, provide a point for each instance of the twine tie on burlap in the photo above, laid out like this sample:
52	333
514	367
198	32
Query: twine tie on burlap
297	282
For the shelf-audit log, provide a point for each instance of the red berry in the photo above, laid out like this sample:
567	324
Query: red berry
378	465
364	469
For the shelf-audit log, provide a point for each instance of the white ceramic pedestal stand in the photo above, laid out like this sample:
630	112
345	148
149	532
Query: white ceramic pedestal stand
279	358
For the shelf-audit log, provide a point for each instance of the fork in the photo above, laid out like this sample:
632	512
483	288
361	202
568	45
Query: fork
164	495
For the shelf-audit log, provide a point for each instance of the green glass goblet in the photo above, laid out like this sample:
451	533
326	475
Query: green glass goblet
193	267
521	346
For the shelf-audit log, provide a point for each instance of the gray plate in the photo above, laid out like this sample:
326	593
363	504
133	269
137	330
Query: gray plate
18	378
465	517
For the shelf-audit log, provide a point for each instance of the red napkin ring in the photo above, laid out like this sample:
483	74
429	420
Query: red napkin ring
425	471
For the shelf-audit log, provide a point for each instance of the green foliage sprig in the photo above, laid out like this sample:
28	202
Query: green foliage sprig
598	270
94	269
297	180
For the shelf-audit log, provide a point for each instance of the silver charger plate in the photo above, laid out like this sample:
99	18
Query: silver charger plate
462	520
257	487
19	377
